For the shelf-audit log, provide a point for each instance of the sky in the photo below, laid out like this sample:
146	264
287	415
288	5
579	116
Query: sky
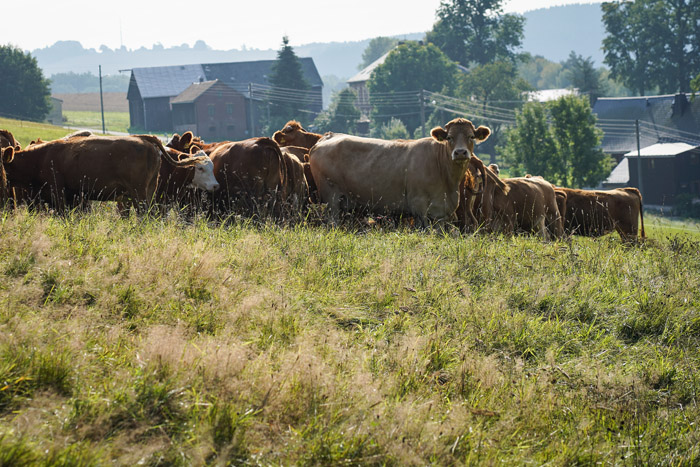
228	25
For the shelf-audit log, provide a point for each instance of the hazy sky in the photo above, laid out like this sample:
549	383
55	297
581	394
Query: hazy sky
32	24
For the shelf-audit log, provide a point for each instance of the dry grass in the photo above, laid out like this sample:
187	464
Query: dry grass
153	340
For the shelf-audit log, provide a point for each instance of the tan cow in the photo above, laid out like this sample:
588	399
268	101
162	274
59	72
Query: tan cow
598	212
530	205
297	186
67	171
294	135
7	139
479	182
419	178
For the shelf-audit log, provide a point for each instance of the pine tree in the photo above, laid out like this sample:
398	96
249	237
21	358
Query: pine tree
287	79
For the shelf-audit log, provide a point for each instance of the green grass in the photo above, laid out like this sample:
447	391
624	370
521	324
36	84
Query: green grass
114	121
25	132
171	342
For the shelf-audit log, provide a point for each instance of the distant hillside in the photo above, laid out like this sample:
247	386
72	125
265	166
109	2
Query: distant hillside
554	32
551	32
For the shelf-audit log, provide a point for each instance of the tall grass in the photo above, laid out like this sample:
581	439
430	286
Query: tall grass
157	340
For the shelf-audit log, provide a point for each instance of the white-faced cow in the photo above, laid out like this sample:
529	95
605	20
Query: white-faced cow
419	178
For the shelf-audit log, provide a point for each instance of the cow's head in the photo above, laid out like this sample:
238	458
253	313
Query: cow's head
460	135
204	178
288	134
181	143
6	156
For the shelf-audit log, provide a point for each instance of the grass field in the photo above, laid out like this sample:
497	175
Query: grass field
163	341
25	132
114	121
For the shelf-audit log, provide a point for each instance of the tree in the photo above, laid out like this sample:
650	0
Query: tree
395	85
695	85
530	146
567	152
287	75
653	43
476	31
578	141
584	76
393	129
342	115
498	81
24	92
375	49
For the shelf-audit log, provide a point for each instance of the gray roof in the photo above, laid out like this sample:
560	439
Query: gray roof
169	81
166	81
620	175
366	72
192	92
663	150
668	118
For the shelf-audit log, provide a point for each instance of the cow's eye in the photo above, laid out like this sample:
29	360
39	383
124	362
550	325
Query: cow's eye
450	139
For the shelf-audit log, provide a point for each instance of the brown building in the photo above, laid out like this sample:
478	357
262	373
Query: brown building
211	110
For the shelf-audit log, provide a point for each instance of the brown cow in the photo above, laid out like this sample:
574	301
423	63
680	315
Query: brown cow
479	181
530	205
297	186
252	174
415	177
6	155
8	140
598	212
294	135
66	171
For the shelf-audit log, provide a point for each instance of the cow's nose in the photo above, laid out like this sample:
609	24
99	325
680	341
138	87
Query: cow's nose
459	153
216	187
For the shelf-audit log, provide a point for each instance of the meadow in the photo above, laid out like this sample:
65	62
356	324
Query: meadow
163	340
114	121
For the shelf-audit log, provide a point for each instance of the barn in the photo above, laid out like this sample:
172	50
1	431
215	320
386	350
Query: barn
669	142
152	89
211	110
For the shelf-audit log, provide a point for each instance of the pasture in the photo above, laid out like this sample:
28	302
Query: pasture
163	341
114	121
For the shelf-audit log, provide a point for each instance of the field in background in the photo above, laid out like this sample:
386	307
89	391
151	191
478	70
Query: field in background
26	132
303	344
113	102
114	121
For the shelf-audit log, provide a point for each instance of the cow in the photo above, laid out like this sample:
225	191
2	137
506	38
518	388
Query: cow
419	178
252	174
529	205
297	186
175	183
8	140
294	135
478	181
595	213
6	155
66	171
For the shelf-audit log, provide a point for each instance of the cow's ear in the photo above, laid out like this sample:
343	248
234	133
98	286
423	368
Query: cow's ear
8	154
186	139
278	137
482	133
438	133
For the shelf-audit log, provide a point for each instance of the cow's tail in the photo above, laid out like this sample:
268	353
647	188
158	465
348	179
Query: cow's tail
493	176
637	193
478	164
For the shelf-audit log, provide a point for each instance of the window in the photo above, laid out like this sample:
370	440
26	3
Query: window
211	108
229	109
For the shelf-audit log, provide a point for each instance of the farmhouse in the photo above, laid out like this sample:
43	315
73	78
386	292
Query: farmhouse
212	110
152	90
669	142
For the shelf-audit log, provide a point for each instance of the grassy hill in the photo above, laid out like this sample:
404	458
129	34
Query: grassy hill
165	341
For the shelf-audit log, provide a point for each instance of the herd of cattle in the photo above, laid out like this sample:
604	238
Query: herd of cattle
433	179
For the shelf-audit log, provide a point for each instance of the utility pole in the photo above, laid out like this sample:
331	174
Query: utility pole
252	119
639	162
102	104
422	112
